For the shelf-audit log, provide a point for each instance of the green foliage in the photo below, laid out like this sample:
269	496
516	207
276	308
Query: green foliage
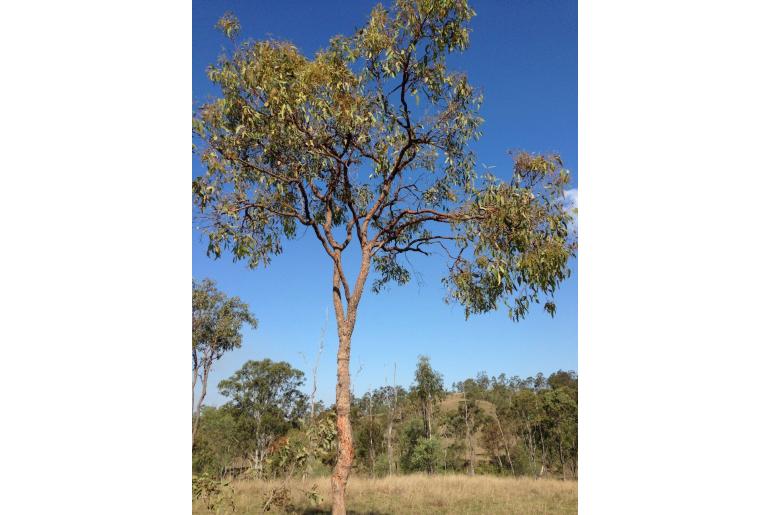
428	383
539	417
562	379
306	448
467	412
521	240
517	426
381	465
322	437
370	138
426	455
265	399
266	389
216	321
428	390
216	328
216	496
229	25
218	442
410	433
369	435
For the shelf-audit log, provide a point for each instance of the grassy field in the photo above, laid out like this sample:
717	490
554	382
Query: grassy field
416	494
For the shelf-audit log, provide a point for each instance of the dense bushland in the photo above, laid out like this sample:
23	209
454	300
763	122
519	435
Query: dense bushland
270	429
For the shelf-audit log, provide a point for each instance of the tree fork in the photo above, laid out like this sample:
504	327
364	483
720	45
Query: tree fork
345	326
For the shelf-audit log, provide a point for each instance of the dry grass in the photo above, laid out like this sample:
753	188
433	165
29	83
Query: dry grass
419	494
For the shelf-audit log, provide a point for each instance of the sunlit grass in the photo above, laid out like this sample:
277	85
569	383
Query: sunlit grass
417	493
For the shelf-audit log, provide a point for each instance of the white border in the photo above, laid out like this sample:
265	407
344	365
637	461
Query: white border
673	286
673	272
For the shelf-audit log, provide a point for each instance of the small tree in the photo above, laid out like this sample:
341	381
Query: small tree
394	394
370	433
217	443
216	328
560	405
369	140
426	455
266	396
429	390
466	421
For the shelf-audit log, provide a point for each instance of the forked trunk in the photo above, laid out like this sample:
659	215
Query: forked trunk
505	444
346	321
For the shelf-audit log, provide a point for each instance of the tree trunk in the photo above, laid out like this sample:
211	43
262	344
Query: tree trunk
371	455
505	444
531	443
346	322
561	459
390	447
196	368
371	438
197	417
427	412
499	461
390	438
394	402
468	437
261	443
194	381
344	428
543	467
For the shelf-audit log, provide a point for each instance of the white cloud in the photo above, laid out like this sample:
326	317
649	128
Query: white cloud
572	197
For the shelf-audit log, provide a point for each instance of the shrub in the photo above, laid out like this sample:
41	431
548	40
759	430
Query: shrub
216	496
426	456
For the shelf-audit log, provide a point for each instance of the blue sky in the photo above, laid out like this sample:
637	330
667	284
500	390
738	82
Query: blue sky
523	54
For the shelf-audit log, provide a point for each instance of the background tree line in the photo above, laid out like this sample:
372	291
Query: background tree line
489	425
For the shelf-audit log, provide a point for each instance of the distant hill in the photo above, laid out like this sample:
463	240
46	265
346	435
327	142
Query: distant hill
452	401
450	405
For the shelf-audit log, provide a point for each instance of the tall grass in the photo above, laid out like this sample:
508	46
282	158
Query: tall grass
417	493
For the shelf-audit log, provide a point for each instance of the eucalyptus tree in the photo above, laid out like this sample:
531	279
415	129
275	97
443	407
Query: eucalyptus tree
266	397
366	146
428	389
465	422
216	328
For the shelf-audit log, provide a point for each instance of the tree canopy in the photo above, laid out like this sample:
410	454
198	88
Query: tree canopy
266	386
369	139
216	321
